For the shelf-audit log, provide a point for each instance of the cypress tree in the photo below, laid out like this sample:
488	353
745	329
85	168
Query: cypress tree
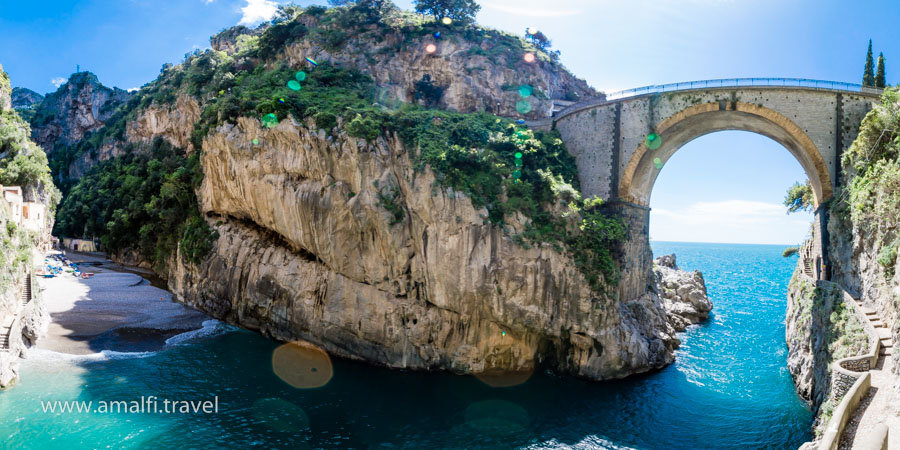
879	72
869	71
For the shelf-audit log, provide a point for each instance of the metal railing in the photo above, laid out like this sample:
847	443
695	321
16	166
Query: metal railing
746	82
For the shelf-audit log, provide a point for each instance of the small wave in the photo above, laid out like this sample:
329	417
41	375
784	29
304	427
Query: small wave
588	443
210	327
104	355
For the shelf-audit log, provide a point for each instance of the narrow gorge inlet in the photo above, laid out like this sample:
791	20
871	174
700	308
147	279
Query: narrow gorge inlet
729	387
404	224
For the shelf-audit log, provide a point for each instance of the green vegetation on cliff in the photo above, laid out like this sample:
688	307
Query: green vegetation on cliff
822	329
470	153
872	166
22	163
142	201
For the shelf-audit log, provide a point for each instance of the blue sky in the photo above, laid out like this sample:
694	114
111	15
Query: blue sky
612	44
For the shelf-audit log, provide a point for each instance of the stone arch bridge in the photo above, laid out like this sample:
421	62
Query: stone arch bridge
621	142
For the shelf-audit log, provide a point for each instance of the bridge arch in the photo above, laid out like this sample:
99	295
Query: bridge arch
641	169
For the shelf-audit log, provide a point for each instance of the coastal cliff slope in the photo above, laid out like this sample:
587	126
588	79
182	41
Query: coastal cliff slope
376	210
863	242
23	320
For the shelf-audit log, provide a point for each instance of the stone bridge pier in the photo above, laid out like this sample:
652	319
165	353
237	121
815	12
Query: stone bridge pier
622	145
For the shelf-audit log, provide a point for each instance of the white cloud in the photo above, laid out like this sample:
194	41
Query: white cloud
740	221
257	11
58	81
134	89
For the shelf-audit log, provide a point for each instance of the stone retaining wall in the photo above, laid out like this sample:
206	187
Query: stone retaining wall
850	380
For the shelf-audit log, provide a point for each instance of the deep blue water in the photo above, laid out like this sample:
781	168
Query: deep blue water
729	388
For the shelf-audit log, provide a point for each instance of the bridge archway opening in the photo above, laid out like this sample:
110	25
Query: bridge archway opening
645	164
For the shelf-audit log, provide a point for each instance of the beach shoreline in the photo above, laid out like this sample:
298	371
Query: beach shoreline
116	309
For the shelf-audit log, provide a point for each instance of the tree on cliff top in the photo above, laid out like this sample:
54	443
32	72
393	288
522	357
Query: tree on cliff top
799	198
869	70
461	11
879	72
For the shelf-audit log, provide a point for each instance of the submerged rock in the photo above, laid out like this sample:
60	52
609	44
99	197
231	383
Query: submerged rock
683	294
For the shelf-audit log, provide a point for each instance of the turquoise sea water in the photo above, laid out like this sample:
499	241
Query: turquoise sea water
729	388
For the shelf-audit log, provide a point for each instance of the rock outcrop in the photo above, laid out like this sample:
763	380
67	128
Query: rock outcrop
173	123
25	98
30	322
22	320
307	248
683	294
307	252
79	106
5	91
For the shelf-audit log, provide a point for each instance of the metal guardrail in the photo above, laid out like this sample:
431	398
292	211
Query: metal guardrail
745	82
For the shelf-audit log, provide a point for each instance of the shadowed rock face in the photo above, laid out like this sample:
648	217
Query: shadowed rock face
683	294
307	252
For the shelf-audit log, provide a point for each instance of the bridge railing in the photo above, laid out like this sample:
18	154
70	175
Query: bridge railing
745	82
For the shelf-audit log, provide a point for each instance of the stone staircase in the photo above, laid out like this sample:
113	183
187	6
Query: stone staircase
808	261
6	328
875	416
883	330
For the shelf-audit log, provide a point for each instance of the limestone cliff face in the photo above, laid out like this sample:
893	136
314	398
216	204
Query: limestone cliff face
855	265
479	72
172	122
806	324
683	294
306	251
79	106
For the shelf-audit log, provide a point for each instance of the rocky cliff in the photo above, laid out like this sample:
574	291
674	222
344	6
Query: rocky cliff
306	252
81	105
863	243
23	320
5	91
25	98
683	294
394	235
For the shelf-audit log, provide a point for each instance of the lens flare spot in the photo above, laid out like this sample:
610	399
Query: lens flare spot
517	174
529	57
658	163
302	365
430	48
437	35
518	155
269	120
280	415
281	100
312	61
255	141
293	85
653	141
300	76
521	121
446	21
523	106
525	91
